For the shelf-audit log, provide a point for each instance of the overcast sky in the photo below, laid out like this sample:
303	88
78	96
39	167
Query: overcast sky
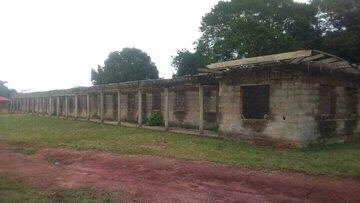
53	44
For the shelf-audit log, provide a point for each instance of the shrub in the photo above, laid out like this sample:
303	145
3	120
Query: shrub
155	119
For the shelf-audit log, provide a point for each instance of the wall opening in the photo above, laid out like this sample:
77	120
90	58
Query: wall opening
180	105
255	101
156	101
327	102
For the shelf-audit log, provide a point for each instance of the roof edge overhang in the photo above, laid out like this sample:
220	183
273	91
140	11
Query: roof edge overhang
317	57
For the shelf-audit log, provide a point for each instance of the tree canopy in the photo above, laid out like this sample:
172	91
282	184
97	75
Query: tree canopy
129	64
4	90
187	63
246	28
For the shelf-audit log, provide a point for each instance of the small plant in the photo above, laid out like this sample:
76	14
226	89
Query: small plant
155	119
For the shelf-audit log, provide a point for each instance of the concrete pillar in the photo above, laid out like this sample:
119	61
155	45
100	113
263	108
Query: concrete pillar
66	107
119	107
50	106
101	106
33	106
58	107
201	109
88	106
11	105
166	116
37	106
28	105
43	106
76	107
139	108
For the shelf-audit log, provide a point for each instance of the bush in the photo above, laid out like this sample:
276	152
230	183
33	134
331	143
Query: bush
155	119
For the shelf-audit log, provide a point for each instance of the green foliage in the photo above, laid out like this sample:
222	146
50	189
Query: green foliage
130	64
187	63
336	160
340	22
245	28
155	119
4	90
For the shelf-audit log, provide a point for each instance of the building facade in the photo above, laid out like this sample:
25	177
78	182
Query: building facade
285	100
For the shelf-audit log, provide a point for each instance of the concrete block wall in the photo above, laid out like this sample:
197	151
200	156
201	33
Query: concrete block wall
81	106
188	118
123	107
110	106
282	123
357	129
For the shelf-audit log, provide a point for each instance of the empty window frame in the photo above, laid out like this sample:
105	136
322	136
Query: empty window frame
255	101
180	100
156	100
351	101
327	101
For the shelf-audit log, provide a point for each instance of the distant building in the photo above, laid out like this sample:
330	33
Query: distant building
285	100
4	104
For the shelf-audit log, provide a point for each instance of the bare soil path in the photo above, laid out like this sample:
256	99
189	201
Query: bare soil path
154	179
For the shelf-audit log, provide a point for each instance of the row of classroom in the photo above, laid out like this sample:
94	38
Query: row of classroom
288	99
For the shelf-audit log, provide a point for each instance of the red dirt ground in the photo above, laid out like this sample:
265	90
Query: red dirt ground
154	179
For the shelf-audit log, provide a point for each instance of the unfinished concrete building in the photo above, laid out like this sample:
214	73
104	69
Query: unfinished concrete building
289	99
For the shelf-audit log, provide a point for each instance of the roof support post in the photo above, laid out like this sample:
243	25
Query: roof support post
201	109
139	108
11	105
43	106
166	116
119	107
101	106
37	106
88	106
66	107
76	111
33	106
50	107
58	106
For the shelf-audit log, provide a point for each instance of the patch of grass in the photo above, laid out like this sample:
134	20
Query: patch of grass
24	149
16	191
334	160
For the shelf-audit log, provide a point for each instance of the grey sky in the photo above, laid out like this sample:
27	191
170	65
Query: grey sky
48	44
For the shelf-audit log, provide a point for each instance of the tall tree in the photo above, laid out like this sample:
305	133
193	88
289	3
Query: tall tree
340	22
130	64
187	63
246	28
4	90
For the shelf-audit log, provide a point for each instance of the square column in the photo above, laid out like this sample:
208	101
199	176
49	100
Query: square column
119	107
50	107
37	106
76	106
66	107
33	106
11	105
58	107
166	116
101	106
201	109
43	106
88	106
139	108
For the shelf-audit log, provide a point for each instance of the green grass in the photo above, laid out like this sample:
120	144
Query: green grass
333	160
16	191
